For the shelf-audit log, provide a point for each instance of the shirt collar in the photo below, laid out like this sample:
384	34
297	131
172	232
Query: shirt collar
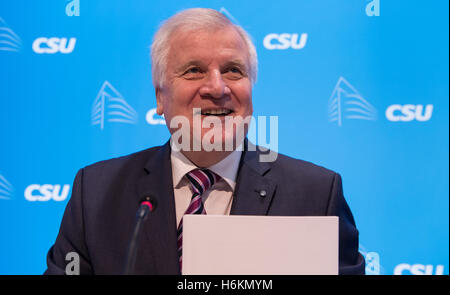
227	168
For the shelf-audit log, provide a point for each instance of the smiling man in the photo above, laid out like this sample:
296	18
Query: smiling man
209	67
204	68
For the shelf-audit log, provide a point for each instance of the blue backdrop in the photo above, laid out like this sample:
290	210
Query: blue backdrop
359	86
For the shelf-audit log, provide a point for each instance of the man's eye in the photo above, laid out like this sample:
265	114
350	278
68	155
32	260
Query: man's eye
235	70
234	73
193	71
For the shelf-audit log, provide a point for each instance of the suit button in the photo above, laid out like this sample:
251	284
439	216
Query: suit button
262	193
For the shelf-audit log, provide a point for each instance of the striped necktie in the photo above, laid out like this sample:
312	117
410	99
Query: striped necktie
201	180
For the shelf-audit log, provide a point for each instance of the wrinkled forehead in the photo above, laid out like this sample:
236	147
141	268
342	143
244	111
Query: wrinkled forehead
225	41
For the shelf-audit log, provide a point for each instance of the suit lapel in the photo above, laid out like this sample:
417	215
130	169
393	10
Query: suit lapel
160	226
253	195
254	189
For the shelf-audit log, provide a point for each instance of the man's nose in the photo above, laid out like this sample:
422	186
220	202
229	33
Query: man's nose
214	86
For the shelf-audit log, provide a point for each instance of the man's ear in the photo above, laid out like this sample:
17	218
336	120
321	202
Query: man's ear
159	99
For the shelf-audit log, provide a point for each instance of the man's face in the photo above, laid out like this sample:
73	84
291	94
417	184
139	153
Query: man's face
207	70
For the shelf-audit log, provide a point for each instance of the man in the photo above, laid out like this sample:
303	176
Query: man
203	70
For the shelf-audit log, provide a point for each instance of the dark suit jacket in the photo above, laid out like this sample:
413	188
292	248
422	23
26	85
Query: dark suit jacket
99	218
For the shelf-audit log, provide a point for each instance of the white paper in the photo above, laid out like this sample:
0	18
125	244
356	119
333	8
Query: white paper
260	245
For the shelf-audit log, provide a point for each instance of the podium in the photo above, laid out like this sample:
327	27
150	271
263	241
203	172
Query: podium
260	245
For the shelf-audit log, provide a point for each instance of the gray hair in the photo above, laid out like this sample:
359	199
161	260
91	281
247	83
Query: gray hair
188	20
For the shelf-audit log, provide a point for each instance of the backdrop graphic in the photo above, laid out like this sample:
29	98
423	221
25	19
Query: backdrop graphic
358	86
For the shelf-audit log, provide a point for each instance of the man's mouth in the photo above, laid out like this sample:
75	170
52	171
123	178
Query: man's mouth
216	112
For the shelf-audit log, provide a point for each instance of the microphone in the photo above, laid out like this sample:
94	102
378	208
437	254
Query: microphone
147	205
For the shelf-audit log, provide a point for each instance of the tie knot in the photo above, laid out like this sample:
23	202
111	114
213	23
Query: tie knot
202	179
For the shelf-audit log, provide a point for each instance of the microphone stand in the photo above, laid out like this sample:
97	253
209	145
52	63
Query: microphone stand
145	207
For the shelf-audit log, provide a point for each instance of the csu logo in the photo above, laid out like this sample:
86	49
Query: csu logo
109	105
152	118
285	41
54	45
46	192
6	189
9	41
346	102
409	112
418	269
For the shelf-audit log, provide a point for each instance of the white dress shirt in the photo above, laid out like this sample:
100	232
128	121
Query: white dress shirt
216	200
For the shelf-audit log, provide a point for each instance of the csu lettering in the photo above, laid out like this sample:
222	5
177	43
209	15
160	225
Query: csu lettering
46	192
152	119
418	269
409	112
53	45
285	41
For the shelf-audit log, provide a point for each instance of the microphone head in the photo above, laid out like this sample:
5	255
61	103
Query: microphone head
149	202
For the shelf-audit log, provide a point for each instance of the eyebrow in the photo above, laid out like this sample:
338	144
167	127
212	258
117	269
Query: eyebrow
235	62
188	64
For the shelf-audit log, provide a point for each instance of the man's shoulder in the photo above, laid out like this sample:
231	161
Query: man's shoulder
134	160
297	165
289	168
284	164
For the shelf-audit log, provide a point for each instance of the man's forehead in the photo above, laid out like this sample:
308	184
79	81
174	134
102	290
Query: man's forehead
196	34
196	46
